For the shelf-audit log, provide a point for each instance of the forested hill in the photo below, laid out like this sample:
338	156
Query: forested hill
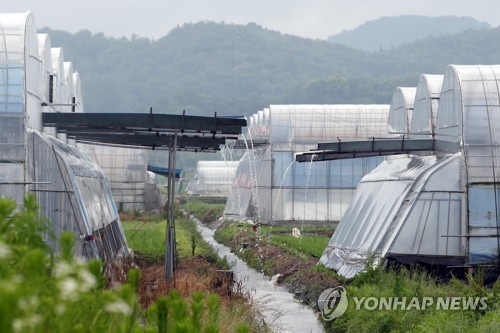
391	32
234	69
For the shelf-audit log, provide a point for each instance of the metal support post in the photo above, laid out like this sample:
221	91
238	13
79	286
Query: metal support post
170	246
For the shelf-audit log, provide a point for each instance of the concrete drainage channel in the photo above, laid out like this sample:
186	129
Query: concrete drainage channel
281	312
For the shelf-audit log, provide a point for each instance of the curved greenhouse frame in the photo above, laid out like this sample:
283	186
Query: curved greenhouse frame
58	72
77	92
44	49
400	113
426	105
440	209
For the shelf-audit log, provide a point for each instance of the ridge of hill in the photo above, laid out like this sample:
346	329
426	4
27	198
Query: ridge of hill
391	32
232	69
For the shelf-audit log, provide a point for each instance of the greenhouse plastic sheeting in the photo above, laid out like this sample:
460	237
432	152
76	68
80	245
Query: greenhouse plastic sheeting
74	195
426	105
470	104
78	92
126	169
430	228
12	180
60	91
44	47
298	128
379	208
19	71
400	113
271	188
213	178
243	196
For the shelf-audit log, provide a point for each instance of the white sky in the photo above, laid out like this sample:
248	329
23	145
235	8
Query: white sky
305	18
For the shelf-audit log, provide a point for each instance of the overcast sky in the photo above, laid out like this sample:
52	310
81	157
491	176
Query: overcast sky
306	18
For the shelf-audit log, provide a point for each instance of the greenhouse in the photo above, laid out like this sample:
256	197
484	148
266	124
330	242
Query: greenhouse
440	209
401	111
270	188
426	105
213	178
130	181
71	188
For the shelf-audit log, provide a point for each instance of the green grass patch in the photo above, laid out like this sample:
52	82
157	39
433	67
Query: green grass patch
207	209
200	246
309	245
229	231
312	242
145	237
149	237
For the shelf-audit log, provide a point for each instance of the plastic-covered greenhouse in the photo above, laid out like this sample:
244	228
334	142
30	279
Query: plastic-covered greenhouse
438	209
213	178
126	169
426	105
71	188
401	110
270	188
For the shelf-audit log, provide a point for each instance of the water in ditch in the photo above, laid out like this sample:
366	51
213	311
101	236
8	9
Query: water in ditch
281	312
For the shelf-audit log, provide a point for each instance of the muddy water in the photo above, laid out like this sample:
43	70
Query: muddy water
280	310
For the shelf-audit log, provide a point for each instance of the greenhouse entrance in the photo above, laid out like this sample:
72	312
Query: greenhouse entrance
157	131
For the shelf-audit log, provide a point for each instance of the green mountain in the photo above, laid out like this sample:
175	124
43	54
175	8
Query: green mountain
391	32
234	69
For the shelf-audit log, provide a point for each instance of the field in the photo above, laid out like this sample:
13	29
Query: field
195	272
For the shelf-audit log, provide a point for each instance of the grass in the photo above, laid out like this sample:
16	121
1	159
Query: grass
206	209
43	291
403	282
145	237
313	246
312	242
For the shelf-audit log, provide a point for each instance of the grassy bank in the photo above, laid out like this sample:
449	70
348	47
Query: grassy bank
274	251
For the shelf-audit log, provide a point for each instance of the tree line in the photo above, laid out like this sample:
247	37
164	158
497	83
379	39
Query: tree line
232	69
